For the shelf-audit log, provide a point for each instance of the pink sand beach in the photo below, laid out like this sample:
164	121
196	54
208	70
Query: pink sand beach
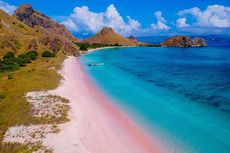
96	125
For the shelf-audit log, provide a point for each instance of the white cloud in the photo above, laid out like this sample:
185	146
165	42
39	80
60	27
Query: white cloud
70	25
83	20
161	22
7	7
216	16
159	16
192	20
113	17
181	23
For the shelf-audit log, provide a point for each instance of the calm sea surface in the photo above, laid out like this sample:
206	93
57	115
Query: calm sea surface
180	95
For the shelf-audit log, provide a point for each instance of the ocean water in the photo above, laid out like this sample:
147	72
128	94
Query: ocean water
179	95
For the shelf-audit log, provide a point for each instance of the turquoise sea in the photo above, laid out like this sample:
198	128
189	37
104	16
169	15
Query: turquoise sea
179	95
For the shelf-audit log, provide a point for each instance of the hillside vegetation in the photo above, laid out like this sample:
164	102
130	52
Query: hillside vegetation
14	109
30	56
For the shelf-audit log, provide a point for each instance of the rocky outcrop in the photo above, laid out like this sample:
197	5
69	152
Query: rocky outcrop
106	31
108	36
132	38
41	22
33	45
7	45
184	41
56	44
199	42
69	49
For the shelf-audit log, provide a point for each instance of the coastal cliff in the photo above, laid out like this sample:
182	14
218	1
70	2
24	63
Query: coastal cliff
184	41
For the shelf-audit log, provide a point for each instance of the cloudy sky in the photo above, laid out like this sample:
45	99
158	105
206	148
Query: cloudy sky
136	17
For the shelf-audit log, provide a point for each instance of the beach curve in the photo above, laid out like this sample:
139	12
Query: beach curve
96	125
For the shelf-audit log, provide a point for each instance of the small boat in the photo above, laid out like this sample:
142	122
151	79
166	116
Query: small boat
96	64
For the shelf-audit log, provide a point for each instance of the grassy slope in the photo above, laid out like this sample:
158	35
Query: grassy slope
12	30
14	109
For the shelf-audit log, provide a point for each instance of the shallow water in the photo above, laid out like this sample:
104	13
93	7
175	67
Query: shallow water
180	95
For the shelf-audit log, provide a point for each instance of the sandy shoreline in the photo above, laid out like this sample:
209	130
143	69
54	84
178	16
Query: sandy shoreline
101	48
96	125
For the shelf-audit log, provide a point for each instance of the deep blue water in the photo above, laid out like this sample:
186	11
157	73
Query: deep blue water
180	95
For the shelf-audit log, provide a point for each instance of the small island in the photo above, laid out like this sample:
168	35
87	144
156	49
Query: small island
184	41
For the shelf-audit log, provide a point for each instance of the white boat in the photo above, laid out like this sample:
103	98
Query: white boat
96	64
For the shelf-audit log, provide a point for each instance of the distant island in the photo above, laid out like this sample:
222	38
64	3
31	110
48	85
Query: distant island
184	41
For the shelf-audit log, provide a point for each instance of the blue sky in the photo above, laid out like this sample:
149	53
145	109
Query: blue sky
142	18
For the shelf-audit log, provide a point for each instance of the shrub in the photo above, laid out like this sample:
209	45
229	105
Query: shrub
23	60
154	45
2	95
9	62
116	44
48	54
10	76
17	44
83	47
32	70
9	65
86	46
22	56
32	54
21	26
9	55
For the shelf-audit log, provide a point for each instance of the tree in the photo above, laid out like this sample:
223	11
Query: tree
116	44
48	53
17	44
83	47
9	55
9	64
22	60
32	54
10	76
